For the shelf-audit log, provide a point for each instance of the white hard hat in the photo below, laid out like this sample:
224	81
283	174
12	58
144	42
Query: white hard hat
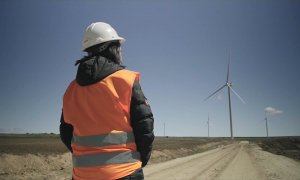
99	32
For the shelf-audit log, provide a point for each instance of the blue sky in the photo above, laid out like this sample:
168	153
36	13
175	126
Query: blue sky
179	47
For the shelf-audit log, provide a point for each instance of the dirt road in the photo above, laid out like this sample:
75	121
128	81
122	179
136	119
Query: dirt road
237	161
240	160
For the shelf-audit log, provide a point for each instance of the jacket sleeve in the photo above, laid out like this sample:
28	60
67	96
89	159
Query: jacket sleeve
142	122
66	132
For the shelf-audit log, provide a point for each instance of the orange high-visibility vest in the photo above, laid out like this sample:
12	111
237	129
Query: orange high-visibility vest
103	141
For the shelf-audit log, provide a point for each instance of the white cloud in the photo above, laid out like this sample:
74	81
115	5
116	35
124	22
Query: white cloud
272	110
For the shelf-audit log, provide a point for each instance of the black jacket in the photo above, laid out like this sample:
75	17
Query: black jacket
94	70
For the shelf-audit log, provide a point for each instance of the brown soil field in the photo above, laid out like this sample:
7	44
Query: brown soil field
43	156
285	146
20	144
47	144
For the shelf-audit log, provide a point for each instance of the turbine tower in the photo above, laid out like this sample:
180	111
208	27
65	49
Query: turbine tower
164	129
229	87
208	126
267	130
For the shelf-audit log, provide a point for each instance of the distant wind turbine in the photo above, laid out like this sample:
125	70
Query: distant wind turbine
267	130
164	129
229	87
208	127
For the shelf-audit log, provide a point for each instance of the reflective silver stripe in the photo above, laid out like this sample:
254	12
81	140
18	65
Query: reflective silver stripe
104	139
105	159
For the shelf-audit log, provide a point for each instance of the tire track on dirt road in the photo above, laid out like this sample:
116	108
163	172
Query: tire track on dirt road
195	166
239	160
242	167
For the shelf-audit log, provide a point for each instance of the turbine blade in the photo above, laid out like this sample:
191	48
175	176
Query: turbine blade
241	99
227	80
228	69
214	92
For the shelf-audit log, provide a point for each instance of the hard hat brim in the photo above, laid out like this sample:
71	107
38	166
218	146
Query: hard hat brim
120	39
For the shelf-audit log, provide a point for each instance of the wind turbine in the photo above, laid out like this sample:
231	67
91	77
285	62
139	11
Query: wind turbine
229	87
164	129
267	130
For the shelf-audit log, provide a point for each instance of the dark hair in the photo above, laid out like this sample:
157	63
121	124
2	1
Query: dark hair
111	52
